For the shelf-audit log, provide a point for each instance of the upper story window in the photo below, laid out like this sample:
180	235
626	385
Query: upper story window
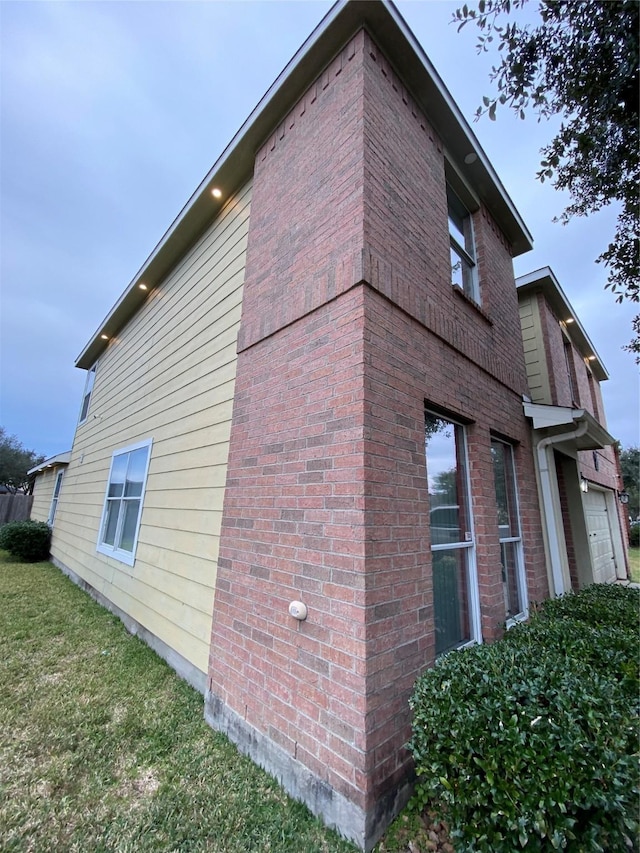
455	590
88	388
464	271
123	502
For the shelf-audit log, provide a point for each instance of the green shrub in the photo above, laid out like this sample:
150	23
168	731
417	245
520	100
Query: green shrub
598	605
634	535
27	540
530	743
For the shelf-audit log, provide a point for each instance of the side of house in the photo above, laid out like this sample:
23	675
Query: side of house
577	466
142	502
47	486
311	393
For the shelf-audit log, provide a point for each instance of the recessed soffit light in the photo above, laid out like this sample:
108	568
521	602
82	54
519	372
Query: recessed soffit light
104	337
216	193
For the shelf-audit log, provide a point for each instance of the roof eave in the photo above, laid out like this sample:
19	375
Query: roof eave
51	462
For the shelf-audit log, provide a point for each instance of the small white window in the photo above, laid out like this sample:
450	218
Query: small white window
123	502
513	577
56	494
464	272
88	388
455	586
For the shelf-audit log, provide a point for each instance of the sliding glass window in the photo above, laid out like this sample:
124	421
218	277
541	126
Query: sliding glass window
455	589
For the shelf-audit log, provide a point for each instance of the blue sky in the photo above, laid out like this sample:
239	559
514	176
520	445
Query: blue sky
113	112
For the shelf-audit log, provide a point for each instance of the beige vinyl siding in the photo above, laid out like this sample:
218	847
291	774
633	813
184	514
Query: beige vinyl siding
168	376
43	493
534	355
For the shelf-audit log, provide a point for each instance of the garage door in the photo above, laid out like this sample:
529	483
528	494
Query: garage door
600	539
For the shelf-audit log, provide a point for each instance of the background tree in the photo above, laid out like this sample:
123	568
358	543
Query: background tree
15	461
579	62
630	468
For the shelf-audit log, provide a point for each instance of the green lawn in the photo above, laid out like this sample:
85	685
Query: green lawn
634	564
103	748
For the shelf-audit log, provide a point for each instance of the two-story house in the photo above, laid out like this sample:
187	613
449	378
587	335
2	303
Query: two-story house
302	468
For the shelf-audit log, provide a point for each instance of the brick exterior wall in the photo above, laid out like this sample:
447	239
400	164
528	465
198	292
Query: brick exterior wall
566	523
350	324
305	243
292	530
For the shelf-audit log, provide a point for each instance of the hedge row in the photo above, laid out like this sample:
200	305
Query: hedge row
531	742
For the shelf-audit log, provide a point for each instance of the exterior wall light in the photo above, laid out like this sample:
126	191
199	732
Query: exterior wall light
584	484
623	497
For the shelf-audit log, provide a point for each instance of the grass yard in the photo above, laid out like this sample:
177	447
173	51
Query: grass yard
104	748
634	564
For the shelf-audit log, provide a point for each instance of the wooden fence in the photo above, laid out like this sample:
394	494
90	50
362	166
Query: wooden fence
15	508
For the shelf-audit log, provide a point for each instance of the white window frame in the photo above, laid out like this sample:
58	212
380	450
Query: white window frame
127	557
475	621
56	496
521	577
466	254
88	391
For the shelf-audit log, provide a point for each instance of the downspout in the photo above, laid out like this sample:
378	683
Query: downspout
547	501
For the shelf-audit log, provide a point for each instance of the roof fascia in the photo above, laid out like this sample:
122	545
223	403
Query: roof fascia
234	167
420	76
544	280
52	461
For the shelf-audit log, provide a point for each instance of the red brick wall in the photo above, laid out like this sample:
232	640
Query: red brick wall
305	242
407	239
566	522
406	365
292	530
349	325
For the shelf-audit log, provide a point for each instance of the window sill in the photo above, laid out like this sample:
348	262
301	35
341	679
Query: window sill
467	644
121	556
462	295
515	620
